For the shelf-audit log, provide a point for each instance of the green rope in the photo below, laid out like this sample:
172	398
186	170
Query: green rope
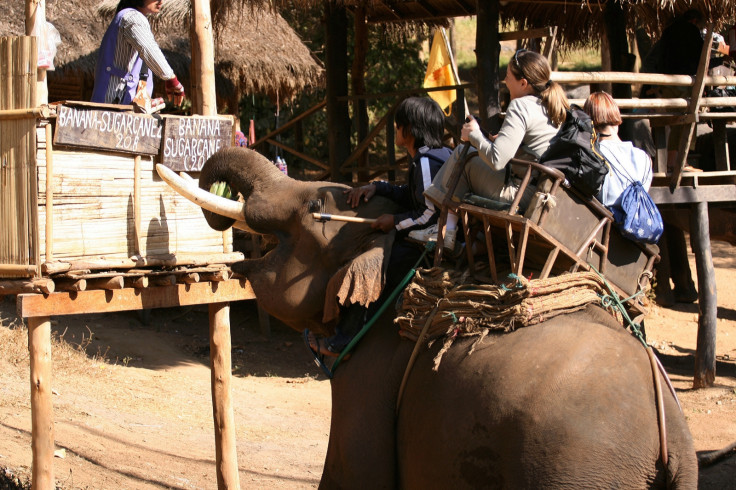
612	300
429	247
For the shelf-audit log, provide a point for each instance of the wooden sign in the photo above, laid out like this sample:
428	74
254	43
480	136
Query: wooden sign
189	141
126	132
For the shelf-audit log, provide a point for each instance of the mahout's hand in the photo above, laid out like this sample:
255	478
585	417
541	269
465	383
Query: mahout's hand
385	223
174	91
356	194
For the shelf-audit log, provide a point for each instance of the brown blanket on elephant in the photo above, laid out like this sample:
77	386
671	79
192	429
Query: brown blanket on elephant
450	306
359	281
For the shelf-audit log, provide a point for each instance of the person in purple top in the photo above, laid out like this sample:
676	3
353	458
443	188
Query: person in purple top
129	53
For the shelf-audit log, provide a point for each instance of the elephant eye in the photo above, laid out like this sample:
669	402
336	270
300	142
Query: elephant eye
315	206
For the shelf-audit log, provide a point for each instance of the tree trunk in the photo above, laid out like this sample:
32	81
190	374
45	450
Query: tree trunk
360	110
618	45
487	48
336	64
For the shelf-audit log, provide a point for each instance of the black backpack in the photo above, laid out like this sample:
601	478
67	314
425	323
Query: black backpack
575	151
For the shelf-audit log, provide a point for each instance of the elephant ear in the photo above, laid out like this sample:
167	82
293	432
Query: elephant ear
361	280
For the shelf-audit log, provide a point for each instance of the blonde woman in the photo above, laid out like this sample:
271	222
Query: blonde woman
537	109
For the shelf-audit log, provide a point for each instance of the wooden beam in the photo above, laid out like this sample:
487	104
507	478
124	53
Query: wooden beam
693	107
689	195
289	124
177	260
19	286
584	77
99	301
41	112
297	154
528	34
363	145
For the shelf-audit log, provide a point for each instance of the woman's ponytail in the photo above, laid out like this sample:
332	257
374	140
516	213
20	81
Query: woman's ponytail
555	101
535	68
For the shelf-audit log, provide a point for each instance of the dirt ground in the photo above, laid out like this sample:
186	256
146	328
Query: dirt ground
132	401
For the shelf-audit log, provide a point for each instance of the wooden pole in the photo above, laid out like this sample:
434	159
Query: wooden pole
42	417
705	355
36	16
205	64
222	404
49	194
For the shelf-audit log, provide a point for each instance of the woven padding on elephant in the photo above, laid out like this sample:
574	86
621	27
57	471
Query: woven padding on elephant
443	303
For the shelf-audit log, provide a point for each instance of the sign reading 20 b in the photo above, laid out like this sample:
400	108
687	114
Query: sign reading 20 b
189	141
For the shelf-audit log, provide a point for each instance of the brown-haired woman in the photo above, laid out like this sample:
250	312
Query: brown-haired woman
627	163
537	109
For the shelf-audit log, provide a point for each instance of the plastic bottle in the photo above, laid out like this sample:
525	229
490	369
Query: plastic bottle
286	169
279	163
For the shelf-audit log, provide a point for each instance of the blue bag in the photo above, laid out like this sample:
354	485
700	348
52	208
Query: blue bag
637	217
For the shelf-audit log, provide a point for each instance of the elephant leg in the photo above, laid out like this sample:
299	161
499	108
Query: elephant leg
684	291
663	288
362	448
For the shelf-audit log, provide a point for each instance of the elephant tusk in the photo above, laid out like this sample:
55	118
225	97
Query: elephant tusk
216	204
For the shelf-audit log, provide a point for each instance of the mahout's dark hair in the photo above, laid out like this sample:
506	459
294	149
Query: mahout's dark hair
693	15
129	4
424	118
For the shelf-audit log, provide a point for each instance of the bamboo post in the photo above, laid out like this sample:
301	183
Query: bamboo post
36	16
137	205
222	404
49	194
205	64
42	419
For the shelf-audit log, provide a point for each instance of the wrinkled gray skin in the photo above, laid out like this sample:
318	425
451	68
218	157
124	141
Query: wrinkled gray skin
565	404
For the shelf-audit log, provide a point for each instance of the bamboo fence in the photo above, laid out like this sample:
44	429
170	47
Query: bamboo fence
19	253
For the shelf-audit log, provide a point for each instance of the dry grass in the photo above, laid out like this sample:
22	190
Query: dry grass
69	358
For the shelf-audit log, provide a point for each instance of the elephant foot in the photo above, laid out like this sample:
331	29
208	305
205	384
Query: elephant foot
686	295
320	347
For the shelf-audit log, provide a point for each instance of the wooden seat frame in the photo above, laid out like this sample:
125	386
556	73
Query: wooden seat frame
522	229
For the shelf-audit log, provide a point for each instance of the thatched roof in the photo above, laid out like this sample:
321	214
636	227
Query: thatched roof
271	59
581	21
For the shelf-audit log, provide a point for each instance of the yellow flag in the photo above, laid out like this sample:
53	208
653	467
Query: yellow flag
440	73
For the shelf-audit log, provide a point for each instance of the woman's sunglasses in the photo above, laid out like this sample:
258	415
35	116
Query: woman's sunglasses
518	65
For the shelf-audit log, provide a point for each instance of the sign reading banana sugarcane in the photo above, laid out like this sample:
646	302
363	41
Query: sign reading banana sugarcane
179	142
188	141
99	128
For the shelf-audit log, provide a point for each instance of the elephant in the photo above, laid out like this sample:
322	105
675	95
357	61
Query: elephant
565	403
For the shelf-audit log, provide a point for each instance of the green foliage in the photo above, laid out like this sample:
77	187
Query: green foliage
392	65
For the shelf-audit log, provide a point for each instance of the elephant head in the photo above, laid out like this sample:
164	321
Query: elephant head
315	265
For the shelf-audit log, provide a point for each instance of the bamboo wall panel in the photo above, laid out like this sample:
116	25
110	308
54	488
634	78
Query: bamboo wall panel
18	220
94	210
